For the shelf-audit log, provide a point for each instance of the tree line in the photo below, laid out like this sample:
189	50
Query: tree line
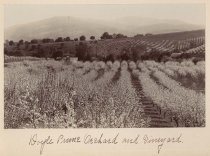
82	49
105	35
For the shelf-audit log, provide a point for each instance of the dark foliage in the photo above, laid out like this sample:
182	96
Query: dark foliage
67	39
59	39
34	41
92	37
82	51
11	43
106	35
82	38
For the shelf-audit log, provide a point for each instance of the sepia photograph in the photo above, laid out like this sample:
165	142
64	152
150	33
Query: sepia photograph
97	66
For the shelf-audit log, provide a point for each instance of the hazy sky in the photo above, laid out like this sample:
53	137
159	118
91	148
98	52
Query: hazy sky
19	14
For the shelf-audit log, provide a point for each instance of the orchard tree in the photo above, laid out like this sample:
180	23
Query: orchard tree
59	39
67	39
81	51
121	36
82	38
46	40
27	44
34	41
106	35
92	37
11	42
20	42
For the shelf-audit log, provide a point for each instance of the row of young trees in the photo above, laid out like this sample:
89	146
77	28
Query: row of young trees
39	51
49	40
135	53
83	50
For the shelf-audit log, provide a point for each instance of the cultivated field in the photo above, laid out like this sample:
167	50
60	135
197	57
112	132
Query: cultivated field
61	94
155	47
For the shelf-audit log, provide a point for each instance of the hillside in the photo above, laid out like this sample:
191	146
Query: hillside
187	44
75	27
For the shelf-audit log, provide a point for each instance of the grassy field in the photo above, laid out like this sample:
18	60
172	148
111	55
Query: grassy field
61	94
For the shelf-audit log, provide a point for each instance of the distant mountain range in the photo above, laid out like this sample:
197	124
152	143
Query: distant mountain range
74	27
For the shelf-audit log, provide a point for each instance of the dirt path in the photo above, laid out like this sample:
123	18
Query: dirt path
151	110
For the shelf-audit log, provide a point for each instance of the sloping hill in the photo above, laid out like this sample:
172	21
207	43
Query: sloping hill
189	43
74	27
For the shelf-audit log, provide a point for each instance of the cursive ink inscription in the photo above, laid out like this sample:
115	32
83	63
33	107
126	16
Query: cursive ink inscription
63	140
134	140
146	139
88	139
161	141
34	140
